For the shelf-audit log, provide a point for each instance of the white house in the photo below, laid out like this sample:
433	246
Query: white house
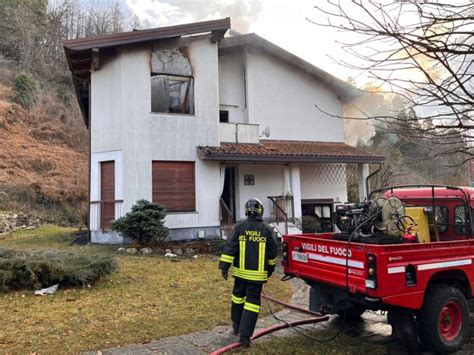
200	123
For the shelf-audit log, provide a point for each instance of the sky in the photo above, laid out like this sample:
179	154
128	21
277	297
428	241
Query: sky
283	22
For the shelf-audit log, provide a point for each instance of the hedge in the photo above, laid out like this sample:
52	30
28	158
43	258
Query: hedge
38	269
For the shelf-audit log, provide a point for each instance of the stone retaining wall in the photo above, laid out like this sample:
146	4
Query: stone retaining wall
10	221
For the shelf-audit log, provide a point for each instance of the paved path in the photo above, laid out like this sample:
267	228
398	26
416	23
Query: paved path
373	328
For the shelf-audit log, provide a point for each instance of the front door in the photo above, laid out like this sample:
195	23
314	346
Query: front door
228	194
107	193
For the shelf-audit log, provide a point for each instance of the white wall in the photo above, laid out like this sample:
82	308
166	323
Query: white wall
121	93
96	159
106	111
231	87
282	97
268	182
317	182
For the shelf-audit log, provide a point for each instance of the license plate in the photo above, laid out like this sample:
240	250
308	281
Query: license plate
302	257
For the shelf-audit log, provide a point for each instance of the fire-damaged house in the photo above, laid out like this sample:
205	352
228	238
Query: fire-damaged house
199	122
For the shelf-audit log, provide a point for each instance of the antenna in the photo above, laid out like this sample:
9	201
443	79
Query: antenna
266	132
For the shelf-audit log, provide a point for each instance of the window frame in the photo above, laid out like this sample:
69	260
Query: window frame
461	228
443	227
223	113
192	108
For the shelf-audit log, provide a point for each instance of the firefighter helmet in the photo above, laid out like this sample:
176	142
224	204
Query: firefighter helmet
254	207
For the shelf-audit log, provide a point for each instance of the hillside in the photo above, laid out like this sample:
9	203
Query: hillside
43	151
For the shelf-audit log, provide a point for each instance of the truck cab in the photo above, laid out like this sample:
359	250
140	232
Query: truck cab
407	250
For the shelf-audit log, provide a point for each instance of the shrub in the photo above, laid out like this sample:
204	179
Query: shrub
144	224
32	270
25	90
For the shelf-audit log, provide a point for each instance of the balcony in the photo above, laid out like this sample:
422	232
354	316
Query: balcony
238	133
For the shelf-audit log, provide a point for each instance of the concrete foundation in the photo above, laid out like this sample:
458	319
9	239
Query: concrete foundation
178	234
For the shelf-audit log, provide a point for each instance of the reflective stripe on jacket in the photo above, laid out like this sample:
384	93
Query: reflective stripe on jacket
251	251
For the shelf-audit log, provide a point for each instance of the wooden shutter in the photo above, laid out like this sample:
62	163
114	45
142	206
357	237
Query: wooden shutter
107	193
174	185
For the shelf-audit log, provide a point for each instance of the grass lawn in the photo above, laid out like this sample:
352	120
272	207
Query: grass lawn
149	298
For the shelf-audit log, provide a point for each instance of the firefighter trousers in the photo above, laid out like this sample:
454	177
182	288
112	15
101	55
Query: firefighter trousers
245	305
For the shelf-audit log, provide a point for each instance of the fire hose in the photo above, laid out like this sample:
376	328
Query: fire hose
316	319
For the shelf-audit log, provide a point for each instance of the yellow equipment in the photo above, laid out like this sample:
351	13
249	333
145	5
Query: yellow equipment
422	229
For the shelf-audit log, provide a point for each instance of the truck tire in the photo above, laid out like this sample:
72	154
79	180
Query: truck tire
443	321
353	313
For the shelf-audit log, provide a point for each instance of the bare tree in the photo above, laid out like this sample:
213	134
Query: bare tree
32	31
421	50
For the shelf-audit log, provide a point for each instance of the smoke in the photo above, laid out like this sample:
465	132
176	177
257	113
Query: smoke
156	13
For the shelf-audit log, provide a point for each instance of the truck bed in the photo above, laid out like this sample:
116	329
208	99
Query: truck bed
321	258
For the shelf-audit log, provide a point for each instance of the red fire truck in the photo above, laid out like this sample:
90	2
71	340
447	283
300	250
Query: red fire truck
407	251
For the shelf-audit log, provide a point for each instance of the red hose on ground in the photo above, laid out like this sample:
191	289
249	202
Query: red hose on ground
269	330
292	306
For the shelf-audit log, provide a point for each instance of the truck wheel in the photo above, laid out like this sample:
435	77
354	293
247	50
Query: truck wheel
353	313
443	321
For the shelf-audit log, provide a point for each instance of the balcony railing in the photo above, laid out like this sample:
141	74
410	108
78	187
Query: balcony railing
238	133
102	213
283	210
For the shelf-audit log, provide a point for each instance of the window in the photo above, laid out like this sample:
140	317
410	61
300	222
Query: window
172	83
461	220
172	94
441	213
223	116
173	185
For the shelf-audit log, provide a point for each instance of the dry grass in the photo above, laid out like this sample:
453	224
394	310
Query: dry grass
44	150
149	298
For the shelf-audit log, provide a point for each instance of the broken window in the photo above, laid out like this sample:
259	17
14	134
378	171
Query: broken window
172	83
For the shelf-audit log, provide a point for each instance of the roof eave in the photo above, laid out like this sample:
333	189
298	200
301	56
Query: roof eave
290	159
124	38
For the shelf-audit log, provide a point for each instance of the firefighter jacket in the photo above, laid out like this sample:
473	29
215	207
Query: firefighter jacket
251	251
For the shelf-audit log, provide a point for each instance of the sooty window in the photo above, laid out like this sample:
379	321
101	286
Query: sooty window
172	82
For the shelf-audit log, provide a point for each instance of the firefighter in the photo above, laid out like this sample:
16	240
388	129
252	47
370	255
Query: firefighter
252	252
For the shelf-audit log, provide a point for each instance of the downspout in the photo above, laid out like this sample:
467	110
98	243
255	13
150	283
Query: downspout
90	170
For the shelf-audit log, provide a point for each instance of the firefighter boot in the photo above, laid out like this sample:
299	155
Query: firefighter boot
235	329
244	341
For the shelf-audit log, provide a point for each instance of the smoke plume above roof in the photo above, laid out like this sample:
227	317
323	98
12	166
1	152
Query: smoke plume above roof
156	13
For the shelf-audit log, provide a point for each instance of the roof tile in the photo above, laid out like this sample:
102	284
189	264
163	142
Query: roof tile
290	150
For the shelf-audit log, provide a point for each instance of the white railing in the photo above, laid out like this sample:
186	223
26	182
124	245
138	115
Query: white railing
238	133
118	209
96	217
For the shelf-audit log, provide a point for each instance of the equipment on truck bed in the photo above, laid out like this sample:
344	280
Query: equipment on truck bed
387	221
